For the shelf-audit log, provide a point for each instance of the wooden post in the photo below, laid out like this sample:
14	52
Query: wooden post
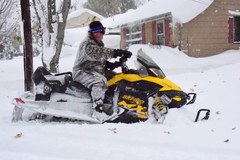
27	45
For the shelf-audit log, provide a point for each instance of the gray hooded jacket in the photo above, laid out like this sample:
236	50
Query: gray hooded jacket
91	57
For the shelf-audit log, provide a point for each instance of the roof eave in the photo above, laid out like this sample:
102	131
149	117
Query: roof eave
153	18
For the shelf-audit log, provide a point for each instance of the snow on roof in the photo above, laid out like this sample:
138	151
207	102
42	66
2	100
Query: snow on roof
234	12
182	10
81	11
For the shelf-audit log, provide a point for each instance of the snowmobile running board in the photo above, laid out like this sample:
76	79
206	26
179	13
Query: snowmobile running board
191	98
58	109
206	115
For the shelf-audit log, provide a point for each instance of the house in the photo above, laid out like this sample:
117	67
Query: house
197	27
81	18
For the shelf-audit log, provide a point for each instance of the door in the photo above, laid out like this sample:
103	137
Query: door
160	33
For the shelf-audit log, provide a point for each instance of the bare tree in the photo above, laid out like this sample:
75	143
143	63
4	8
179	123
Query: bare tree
52	21
38	25
105	8
5	9
109	8
7	27
61	23
125	5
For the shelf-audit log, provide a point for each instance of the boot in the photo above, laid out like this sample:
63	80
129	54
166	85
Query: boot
98	105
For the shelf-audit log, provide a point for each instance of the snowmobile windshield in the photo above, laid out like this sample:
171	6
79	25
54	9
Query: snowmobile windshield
147	67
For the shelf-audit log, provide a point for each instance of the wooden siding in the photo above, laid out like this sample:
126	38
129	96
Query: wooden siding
143	34
207	34
167	31
148	32
123	38
154	32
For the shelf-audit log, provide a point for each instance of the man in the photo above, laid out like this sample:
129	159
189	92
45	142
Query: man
89	66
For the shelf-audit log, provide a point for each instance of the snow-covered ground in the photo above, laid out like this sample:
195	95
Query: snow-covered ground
216	80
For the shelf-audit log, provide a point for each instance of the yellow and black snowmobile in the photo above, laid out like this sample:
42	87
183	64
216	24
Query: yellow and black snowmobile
136	87
132	96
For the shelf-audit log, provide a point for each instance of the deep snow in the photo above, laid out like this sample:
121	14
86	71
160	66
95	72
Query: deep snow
216	80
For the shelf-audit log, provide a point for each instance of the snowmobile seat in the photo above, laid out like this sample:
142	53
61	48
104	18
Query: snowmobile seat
38	75
57	82
46	83
79	86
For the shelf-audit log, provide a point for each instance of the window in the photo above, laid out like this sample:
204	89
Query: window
234	29
133	35
160	33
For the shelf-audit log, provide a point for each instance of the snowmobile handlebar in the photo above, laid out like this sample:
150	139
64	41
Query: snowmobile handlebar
120	63
124	55
64	73
124	66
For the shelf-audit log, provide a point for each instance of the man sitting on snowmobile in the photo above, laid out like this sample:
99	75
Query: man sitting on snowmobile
89	65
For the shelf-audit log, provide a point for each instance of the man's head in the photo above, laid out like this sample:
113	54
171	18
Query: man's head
97	30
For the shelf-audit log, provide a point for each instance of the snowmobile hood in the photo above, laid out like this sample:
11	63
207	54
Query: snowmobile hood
164	84
147	70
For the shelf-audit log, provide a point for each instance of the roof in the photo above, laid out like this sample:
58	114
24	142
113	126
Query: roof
81	18
82	11
182	10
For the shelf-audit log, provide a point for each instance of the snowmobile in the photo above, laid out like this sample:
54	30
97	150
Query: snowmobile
132	96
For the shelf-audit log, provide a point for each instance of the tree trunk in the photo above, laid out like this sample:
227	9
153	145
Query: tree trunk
51	5
28	60
40	29
60	36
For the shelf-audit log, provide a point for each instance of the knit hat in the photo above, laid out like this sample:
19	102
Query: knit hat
96	26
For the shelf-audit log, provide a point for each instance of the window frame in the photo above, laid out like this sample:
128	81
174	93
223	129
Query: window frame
134	35
236	19
160	34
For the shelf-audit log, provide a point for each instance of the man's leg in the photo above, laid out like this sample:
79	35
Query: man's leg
98	94
97	83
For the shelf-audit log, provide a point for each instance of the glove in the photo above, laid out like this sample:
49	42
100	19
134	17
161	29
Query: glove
122	53
117	53
112	66
127	54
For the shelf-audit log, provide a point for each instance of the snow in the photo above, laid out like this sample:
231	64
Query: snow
81	11
74	36
215	79
182	10
235	13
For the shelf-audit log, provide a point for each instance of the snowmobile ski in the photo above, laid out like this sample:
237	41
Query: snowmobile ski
59	109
